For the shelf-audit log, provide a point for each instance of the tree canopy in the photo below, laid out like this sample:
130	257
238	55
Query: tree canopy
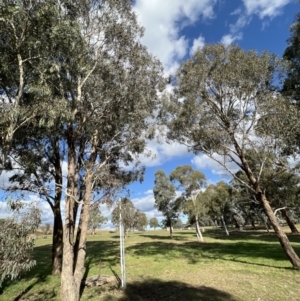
77	86
153	222
165	198
226	102
96	219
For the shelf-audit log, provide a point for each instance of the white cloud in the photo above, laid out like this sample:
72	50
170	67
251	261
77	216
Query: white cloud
197	43
145	204
262	8
229	39
163	20
265	8
159	152
150	191
205	162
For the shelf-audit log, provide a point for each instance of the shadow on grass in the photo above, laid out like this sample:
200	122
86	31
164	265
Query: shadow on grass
249	235
247	252
176	236
106	252
156	290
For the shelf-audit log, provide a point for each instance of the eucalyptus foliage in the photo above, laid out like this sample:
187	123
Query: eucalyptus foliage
128	214
77	87
190	182
227	102
17	240
96	219
153	222
165	198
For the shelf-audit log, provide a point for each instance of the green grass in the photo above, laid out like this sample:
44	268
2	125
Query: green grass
244	266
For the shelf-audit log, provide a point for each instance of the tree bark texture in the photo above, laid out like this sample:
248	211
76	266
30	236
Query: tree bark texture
57	238
57	243
171	231
290	223
74	253
283	239
69	288
198	232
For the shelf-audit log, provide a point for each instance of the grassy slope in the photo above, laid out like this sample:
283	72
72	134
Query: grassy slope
244	266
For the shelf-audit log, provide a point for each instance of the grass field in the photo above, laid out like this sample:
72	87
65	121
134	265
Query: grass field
244	266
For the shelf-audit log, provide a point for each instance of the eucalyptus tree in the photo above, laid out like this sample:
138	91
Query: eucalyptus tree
17	239
111	89
141	221
153	223
177	224
165	198
33	47
226	103
217	199
190	182
128	215
96	93
96	219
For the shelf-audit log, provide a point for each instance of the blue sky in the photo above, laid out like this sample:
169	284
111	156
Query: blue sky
173	30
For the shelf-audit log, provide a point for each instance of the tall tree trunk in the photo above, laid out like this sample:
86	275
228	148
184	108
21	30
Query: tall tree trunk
283	239
198	231
57	238
74	253
290	223
69	289
171	231
57	243
80	250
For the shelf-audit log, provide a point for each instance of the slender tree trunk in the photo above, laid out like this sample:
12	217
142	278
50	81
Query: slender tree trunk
252	221
224	225
290	223
283	239
198	231
171	231
57	238
80	251
57	243
69	288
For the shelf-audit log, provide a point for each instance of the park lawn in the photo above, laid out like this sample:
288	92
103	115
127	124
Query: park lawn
244	266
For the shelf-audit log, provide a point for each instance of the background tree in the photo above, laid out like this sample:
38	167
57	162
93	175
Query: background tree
96	219
165	198
128	214
17	240
45	229
177	224
217	198
190	182
230	105
153	223
141	221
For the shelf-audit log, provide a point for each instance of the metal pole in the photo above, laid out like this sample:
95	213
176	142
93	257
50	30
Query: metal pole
122	251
